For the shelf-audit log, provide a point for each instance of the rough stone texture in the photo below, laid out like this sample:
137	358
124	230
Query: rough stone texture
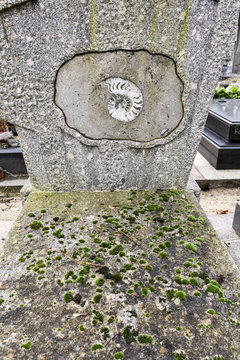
137	252
38	37
5	4
236	58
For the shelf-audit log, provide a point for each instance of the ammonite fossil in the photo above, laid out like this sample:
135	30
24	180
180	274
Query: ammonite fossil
126	102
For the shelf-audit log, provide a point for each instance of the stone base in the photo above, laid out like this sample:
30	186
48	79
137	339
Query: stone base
117	275
236	219
220	154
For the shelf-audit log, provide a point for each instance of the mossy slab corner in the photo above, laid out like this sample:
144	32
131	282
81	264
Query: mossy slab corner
119	275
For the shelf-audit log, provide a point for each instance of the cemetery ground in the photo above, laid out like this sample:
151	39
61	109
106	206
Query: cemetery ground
86	275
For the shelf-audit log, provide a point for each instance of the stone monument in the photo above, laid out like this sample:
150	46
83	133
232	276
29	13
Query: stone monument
111	95
114	94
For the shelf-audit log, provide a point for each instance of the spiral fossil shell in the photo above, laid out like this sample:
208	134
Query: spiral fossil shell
126	100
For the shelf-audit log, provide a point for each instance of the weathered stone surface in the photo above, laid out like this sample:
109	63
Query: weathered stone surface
38	37
120	95
5	4
139	264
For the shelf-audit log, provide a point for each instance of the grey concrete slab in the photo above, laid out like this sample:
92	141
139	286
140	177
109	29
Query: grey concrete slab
5	227
234	251
16	183
223	226
215	178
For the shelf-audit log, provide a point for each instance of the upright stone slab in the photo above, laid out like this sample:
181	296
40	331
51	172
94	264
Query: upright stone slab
111	95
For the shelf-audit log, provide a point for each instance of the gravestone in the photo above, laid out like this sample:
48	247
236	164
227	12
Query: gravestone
220	143
114	95
236	218
111	95
236	58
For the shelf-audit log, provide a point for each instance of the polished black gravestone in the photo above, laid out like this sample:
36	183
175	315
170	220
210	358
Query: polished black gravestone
220	143
236	219
11	160
224	118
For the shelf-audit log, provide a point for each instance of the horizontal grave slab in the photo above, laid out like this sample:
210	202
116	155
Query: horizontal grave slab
117	275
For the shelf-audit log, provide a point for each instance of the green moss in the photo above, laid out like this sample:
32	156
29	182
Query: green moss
100	282
111	319
190	246
27	345
105	332
31	214
129	334
118	355
68	297
178	279
43	211
116	277
192	218
170	293
21	259
214	289
168	244
95	347
58	234
163	254
116	250
98	317
211	311
179	356
193	282
197	293
181	295
85	270
36	225
144	291
97	298
148	268
68	205
130	291
178	328
187	264
145	339
1	301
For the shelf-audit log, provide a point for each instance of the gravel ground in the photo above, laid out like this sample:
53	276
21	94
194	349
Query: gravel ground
215	200
10	206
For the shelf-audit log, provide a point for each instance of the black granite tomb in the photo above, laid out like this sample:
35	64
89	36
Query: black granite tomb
11	160
220	143
236	219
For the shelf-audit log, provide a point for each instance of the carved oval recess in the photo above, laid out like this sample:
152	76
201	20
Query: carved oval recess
126	101
120	95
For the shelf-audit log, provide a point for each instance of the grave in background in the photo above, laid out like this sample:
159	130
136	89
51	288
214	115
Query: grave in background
220	143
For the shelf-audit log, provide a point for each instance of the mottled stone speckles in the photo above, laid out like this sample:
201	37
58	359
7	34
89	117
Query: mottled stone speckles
126	101
9	3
